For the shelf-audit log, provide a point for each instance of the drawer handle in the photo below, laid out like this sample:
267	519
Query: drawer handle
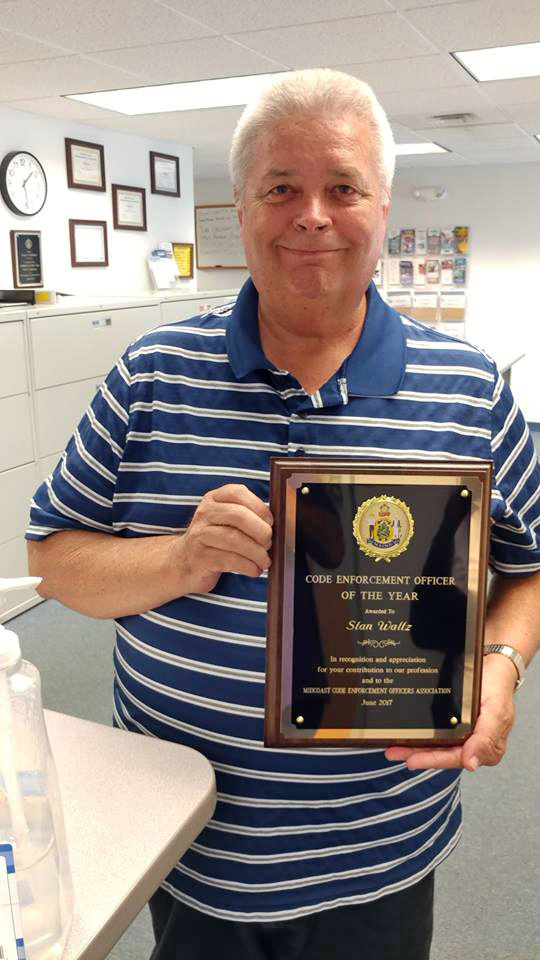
102	322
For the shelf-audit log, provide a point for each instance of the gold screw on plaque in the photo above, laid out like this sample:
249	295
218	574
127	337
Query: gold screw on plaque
299	719
464	492
454	721
305	490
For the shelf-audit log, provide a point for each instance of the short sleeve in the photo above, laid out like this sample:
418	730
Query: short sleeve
78	495
515	546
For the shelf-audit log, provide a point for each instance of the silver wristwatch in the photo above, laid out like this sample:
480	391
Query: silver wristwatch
512	655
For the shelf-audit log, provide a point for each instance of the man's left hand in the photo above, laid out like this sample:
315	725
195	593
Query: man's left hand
487	744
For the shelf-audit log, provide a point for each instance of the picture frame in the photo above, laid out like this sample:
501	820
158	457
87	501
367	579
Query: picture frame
183	257
85	165
129	207
26	259
164	174
88	243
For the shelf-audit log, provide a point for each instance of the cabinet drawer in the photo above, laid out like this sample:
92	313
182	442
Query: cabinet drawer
13	377
78	346
58	411
16	446
172	311
17	487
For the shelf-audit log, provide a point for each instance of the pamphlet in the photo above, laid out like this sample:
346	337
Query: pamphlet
447	272
447	240
406	273
460	271
433	271
461	239
419	273
392	272
408	240
162	266
433	240
394	243
421	242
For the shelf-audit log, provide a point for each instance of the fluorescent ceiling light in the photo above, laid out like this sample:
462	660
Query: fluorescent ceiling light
172	97
502	63
407	149
537	135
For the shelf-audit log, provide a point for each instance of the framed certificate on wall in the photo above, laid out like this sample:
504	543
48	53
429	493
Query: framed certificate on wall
164	174
129	207
85	164
88	243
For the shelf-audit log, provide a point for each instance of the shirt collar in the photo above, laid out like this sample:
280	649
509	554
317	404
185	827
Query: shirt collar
375	368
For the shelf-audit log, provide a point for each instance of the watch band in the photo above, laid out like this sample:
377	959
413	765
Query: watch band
512	655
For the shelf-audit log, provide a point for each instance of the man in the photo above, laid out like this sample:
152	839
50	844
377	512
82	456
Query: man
157	516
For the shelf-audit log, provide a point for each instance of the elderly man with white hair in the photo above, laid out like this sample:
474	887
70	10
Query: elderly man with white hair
157	516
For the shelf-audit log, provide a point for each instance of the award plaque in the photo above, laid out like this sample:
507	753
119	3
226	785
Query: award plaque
26	258
376	602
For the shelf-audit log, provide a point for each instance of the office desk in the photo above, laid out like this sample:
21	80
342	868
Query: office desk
132	805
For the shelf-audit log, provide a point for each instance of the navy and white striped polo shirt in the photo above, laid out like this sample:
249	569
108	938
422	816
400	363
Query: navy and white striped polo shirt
195	405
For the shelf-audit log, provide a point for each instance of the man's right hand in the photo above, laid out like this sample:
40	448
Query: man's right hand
231	532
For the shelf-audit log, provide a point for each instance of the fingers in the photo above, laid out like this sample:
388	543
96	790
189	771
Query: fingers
230	532
231	544
441	758
238	493
235	506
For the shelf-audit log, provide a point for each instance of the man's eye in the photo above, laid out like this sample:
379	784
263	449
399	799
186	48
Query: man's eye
279	190
345	189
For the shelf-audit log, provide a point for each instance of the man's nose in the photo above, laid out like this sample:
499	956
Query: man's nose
312	215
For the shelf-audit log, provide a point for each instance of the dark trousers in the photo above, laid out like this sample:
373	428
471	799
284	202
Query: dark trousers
396	927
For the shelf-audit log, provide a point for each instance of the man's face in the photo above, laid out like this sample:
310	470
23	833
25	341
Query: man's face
311	215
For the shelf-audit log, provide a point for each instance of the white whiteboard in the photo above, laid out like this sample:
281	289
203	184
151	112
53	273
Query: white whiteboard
218	238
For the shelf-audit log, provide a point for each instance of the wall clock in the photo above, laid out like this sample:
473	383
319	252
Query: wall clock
23	183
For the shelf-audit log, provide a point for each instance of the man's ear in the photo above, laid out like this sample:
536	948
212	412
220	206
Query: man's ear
239	209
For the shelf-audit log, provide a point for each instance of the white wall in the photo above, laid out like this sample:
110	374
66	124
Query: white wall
126	162
501	206
209	192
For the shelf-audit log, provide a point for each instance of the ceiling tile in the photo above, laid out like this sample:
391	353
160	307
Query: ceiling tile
82	26
235	15
340	41
417	73
411	4
401	133
59	76
190	60
453	100
503	92
527	115
476	133
59	108
14	48
480	23
433	162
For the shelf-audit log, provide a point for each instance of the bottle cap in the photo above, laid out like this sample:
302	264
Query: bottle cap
10	648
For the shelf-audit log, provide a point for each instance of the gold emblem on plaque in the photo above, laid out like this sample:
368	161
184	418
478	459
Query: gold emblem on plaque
383	527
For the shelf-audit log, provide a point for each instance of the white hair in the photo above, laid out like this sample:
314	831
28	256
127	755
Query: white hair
312	93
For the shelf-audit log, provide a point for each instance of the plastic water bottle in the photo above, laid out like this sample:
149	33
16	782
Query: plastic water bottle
36	895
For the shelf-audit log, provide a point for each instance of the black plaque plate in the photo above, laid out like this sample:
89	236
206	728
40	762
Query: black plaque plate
26	258
376	602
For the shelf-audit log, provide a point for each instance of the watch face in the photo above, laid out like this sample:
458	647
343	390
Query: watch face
23	183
